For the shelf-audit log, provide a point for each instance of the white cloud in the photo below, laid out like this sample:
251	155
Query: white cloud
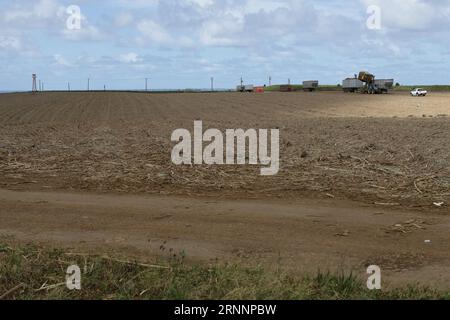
38	13
130	58
231	37
201	3
411	14
61	61
10	43
86	33
154	32
226	31
123	19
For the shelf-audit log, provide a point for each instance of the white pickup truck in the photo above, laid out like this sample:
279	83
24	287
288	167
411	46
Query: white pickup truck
419	92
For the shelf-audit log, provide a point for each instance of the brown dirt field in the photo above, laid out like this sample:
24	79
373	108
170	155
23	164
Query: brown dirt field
366	164
120	142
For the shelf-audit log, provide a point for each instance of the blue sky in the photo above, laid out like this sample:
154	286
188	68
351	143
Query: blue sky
183	43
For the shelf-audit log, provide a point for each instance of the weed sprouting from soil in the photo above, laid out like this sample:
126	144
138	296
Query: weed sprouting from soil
32	272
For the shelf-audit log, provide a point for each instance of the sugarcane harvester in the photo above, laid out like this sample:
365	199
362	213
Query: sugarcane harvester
369	82
374	86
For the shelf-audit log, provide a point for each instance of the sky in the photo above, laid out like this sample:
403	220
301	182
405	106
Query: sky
183	43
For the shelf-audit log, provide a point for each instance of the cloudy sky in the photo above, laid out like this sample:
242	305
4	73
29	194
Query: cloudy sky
183	43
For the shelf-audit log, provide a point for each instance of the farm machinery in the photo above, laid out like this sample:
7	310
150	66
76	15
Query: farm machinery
366	82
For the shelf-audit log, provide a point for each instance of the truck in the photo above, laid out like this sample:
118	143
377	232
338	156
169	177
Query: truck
245	88
419	92
366	82
310	86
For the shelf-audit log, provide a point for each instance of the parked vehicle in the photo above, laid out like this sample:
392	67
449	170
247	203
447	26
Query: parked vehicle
419	92
246	88
310	85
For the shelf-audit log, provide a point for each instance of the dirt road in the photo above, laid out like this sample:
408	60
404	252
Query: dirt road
301	235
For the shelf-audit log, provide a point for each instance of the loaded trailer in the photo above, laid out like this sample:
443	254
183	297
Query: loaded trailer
310	86
352	85
383	85
367	83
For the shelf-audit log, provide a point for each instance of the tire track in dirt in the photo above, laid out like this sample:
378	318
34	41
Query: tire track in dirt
302	235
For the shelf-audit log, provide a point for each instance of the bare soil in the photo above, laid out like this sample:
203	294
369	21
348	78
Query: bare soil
303	235
360	176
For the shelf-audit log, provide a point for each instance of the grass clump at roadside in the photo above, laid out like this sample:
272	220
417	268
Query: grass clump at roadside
31	272
431	88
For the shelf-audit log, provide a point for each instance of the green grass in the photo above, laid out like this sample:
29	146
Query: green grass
31	272
277	87
298	87
431	88
428	88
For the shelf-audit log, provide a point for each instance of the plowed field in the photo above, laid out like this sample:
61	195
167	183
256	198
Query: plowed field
356	171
